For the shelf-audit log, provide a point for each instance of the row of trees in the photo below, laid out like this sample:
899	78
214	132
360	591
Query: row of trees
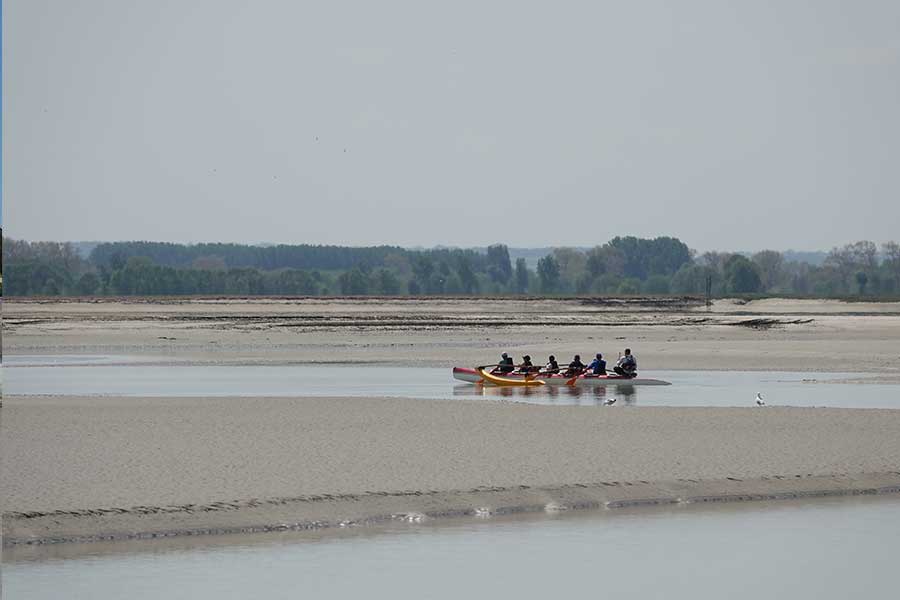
624	265
854	269
265	258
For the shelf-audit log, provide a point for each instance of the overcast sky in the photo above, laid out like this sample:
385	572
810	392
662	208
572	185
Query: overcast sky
732	125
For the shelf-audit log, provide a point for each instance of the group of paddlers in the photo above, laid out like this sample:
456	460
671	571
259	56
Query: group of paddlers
626	366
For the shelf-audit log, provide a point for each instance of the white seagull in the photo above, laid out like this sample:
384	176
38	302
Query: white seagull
759	400
609	402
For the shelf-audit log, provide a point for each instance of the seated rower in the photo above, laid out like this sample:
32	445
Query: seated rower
626	365
576	367
552	367
506	364
598	365
526	367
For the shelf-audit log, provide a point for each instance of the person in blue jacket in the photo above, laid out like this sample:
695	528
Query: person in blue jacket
598	365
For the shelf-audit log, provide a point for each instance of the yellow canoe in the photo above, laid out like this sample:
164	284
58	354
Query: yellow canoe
497	380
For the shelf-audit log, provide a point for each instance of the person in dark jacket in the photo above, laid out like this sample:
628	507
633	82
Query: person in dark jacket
526	366
552	367
576	367
506	364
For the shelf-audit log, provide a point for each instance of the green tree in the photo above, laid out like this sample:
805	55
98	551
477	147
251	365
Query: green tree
437	284
659	256
353	283
848	259
293	282
667	255
584	283
798	277
629	286
656	284
608	283
423	270
521	276
691	279
861	280
468	282
891	262
244	282
605	259
769	263
571	265
548	274
388	283
452	285
741	275
499	266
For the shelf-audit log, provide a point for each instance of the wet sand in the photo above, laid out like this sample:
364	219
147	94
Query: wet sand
93	467
75	468
784	335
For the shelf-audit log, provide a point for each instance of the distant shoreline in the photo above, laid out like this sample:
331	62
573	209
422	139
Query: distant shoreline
772	334
624	300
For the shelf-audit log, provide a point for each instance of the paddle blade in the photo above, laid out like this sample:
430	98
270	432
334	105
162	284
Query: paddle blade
572	381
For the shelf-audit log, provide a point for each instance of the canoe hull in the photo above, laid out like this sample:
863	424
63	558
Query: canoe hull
467	375
507	381
472	376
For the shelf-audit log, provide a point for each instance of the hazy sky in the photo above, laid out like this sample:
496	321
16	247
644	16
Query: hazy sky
733	125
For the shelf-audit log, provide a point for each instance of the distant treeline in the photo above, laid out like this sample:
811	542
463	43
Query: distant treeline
624	265
265	258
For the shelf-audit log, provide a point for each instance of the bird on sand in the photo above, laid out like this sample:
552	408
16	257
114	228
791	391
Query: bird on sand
609	402
759	400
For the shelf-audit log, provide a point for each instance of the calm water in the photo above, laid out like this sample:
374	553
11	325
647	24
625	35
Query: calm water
828	549
90	375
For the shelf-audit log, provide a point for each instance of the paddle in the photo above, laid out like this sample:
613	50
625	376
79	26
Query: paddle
528	376
574	379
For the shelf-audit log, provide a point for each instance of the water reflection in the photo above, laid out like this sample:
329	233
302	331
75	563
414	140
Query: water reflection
552	394
628	393
689	388
645	553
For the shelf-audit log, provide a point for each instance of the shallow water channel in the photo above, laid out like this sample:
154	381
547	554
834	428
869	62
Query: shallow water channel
98	375
839	548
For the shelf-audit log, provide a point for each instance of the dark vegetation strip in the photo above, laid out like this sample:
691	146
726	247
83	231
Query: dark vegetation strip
627	266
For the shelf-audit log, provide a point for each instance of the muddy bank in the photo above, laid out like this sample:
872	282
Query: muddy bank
329	512
796	335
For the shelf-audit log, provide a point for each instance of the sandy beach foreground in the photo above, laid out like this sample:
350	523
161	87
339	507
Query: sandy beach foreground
94	468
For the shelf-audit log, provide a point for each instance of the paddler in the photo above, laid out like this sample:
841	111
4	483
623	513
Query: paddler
526	366
598	365
576	367
626	365
552	367
506	364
